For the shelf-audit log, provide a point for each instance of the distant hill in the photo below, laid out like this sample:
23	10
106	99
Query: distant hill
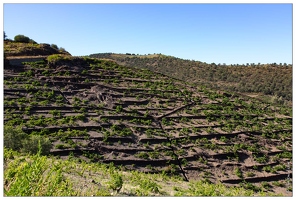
271	82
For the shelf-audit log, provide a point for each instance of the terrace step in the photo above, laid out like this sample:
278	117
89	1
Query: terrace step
275	177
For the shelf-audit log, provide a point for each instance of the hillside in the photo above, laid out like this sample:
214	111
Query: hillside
164	136
19	49
269	82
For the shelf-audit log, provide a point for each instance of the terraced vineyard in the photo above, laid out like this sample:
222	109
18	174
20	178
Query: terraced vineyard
102	112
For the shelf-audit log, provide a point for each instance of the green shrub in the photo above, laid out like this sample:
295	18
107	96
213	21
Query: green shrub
147	186
21	38
13	137
56	58
143	155
54	46
61	146
115	182
238	172
31	145
16	139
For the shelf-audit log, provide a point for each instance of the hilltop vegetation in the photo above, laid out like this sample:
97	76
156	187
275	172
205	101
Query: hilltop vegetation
117	130
25	46
274	81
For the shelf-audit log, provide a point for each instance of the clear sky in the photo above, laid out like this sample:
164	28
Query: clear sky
219	33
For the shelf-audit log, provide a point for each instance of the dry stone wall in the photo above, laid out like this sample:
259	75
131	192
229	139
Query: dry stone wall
18	61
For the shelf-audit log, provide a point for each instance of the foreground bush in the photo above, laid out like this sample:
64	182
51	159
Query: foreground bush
16	139
35	176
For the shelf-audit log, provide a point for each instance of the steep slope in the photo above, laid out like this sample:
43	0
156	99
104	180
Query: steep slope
103	112
270	82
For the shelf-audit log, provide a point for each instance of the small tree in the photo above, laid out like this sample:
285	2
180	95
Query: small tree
35	142
21	38
16	139
5	36
54	46
115	182
13	137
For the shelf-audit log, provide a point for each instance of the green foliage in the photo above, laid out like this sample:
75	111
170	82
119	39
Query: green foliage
81	117
41	176
61	146
84	72
21	38
115	182
223	139
265	185
35	177
278	184
154	154
147	186
10	154
286	154
238	172
55	113
262	159
275	80
204	188
57	58
16	139
119	109
250	186
143	155
54	46
13	137
31	145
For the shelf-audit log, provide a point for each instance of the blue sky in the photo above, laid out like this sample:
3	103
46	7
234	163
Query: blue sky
219	33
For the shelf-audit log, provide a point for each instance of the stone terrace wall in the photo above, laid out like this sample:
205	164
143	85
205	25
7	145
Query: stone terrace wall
18	61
